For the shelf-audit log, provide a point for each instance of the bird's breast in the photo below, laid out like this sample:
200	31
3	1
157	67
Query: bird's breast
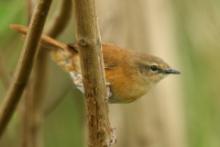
125	88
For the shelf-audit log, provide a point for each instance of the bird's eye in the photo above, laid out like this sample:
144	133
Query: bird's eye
154	68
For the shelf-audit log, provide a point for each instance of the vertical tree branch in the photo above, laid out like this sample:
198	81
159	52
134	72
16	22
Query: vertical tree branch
25	63
91	59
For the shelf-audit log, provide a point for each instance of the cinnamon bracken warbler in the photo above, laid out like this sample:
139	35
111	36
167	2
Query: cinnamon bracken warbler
130	74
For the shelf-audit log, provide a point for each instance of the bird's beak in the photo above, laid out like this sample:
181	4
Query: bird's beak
170	71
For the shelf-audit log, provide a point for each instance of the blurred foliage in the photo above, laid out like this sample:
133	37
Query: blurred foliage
198	32
10	12
63	126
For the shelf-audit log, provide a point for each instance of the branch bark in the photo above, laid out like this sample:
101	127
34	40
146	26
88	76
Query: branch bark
89	43
25	63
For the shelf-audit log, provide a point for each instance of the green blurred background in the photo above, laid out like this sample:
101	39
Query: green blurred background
192	25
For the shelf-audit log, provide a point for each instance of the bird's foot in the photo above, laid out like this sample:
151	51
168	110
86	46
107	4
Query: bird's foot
113	138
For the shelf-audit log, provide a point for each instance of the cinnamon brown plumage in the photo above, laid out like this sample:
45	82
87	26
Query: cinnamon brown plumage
130	74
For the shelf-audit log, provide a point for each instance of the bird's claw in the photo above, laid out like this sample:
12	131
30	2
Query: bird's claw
113	138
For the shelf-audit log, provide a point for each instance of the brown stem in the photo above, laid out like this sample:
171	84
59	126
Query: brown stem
25	63
91	59
34	109
26	139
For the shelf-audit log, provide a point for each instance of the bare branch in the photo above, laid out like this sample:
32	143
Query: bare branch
25	63
91	59
34	105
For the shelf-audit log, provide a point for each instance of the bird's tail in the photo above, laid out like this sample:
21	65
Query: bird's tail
46	41
63	54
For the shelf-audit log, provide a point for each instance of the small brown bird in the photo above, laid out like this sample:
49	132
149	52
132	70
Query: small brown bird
130	74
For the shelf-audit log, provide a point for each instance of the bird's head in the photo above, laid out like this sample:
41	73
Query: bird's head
153	69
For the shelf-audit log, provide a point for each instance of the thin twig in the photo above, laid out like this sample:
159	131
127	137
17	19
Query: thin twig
27	103
26	138
25	63
38	85
88	40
